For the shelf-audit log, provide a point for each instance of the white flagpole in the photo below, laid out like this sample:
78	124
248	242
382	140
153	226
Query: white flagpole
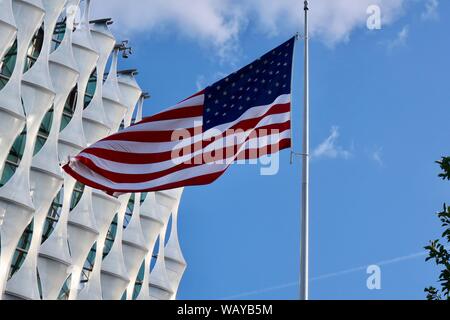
304	243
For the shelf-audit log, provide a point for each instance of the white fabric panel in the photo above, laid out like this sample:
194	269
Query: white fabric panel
130	93
24	283
134	246
115	110
82	230
159	283
86	58
38	179
95	128
54	258
175	262
36	100
8	28
94	117
105	207
114	276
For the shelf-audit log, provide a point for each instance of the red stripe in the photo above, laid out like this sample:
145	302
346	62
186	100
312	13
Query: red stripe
197	161
194	95
146	158
199	180
165	136
147	136
179	113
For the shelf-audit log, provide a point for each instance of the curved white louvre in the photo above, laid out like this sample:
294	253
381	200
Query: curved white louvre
115	110
95	123
7	27
15	196
153	220
159	283
12	119
175	263
130	93
24	283
114	276
155	214
133	242
96	128
82	230
54	258
55	231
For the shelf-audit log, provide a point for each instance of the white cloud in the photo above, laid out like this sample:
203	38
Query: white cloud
330	149
431	10
218	23
400	39
377	156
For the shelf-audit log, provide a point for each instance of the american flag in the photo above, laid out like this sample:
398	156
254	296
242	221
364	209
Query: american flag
243	116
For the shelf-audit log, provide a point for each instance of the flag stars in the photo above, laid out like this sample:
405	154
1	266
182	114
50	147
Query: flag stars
257	84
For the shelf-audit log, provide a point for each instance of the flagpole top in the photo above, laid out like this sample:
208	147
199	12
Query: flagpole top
306	7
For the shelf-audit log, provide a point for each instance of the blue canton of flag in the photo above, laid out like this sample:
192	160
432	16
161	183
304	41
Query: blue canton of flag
257	84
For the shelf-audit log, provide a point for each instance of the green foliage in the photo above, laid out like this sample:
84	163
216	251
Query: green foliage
445	166
437	250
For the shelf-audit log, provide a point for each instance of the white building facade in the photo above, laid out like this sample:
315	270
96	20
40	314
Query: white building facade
58	238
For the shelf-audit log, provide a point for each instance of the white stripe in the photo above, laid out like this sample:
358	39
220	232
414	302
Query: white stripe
138	169
191	102
166	125
167	179
121	167
157	147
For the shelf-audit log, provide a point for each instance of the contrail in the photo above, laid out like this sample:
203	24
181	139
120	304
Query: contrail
329	275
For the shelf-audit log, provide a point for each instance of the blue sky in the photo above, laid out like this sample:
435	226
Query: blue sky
379	120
